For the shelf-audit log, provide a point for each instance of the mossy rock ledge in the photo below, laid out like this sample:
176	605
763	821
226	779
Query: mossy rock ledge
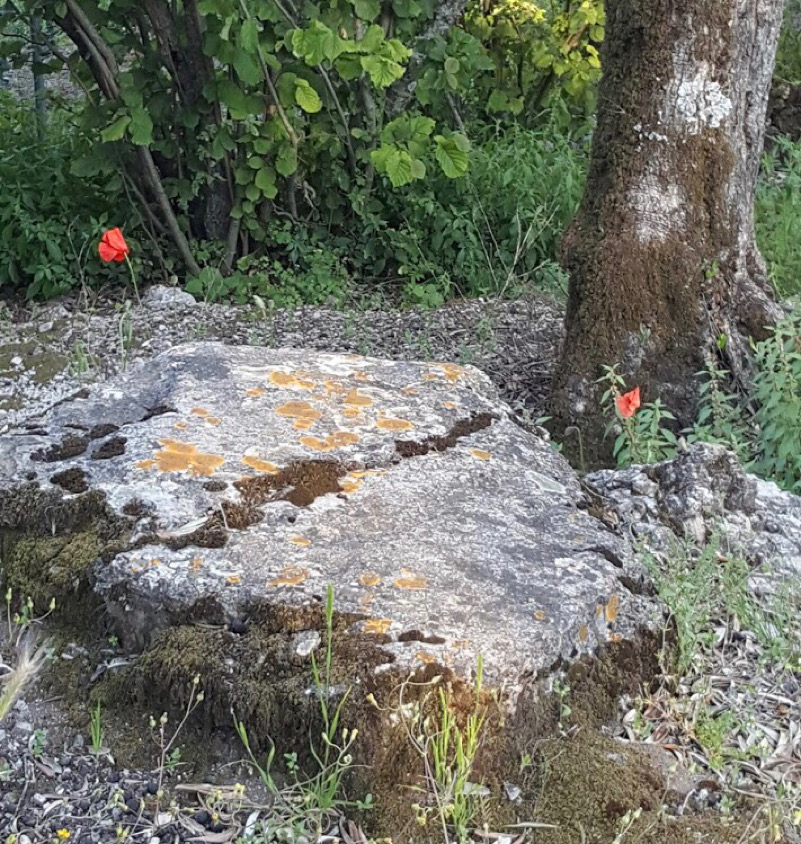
218	491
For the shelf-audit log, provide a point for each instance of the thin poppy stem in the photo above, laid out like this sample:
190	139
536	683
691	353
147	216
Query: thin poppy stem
133	279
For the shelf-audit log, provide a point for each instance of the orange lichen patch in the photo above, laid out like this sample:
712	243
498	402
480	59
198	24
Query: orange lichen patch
377	625
355	399
425	657
200	411
616	637
145	464
155	562
260	465
361	376
410	391
339	439
612	608
410	580
299	410
196	564
291	382
365	601
332	386
480	454
233	580
369	579
583	633
430	376
349	485
212	420
181	426
598	610
460	644
352	413
452	371
539	615
299	540
255	392
290	576
303	424
177	446
390	424
176	456
450	405
353	357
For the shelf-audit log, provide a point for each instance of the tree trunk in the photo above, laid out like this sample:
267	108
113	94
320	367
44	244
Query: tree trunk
662	256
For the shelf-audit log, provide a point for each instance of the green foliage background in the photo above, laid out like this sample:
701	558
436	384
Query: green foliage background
269	147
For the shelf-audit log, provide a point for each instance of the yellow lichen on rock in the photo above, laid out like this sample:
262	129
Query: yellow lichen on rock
177	456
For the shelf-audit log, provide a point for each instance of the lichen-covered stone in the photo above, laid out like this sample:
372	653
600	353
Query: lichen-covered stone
702	492
238	478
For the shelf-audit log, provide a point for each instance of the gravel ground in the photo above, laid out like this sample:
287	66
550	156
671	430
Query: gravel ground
49	353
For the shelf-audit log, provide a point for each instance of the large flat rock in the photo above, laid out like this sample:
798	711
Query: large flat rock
243	476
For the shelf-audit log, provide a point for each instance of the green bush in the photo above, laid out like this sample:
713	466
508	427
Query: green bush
788	55
778	215
494	231
777	394
50	219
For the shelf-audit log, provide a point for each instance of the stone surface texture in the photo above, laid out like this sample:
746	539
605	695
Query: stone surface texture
701	492
253	476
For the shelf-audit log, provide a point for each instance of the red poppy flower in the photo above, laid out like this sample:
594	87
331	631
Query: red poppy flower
113	247
629	403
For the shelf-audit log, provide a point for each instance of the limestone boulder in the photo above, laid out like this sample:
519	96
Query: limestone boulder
220	480
702	492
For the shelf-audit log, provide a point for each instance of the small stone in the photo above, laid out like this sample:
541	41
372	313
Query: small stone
152	787
132	804
306	642
238	626
513	791
22	729
644	486
203	817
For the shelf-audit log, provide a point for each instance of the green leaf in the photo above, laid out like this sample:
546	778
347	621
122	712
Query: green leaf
141	127
247	68
286	162
451	65
395	163
116	130
265	182
306	97
239	104
451	154
367	10
316	43
381	70
249	36
372	39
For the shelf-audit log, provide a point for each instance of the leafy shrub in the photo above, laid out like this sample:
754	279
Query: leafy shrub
778	215
788	54
777	392
50	218
539	50
304	271
495	230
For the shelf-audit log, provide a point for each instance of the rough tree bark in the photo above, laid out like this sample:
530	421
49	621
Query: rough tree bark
662	255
